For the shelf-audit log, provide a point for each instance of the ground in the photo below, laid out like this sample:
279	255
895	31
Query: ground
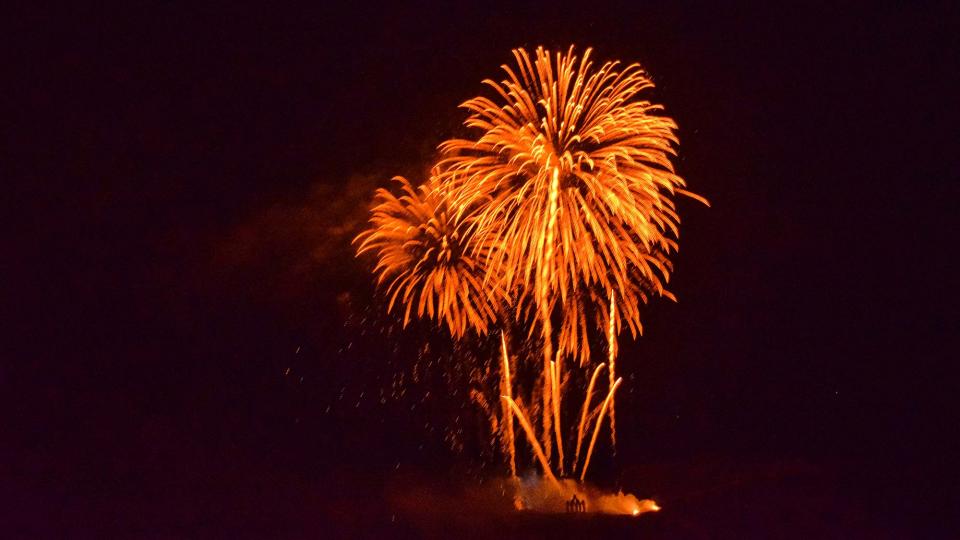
700	499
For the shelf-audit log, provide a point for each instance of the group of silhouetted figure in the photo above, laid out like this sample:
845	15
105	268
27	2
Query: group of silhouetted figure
576	505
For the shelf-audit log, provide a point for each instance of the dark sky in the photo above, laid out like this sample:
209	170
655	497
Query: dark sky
185	179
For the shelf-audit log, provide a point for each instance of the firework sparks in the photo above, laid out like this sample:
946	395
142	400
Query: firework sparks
557	215
571	178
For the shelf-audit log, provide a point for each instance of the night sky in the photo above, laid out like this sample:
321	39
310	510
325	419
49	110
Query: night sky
181	337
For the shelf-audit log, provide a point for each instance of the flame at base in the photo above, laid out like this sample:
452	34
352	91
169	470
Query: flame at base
537	494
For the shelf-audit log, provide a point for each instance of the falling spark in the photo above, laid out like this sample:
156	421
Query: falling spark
555	387
507	389
596	429
585	409
547	383
532	439
543	300
612	352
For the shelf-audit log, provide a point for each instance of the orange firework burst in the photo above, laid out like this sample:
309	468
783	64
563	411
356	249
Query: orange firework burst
561	208
427	262
570	177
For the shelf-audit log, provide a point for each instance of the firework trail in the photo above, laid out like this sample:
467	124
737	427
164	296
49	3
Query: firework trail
532	439
555	396
596	429
506	388
585	409
612	357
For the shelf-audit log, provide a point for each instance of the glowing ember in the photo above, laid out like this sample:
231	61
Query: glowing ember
558	211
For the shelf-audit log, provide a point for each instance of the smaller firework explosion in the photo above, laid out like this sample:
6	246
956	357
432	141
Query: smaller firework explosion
428	263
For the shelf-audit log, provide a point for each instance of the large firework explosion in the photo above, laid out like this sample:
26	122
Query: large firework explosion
558	217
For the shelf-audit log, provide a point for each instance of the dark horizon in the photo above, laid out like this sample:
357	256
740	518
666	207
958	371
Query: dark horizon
188	181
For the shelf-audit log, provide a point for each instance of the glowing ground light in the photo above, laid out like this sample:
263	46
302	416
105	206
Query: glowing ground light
648	505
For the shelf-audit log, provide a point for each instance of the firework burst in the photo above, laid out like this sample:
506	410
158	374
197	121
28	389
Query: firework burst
426	263
570	178
559	210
